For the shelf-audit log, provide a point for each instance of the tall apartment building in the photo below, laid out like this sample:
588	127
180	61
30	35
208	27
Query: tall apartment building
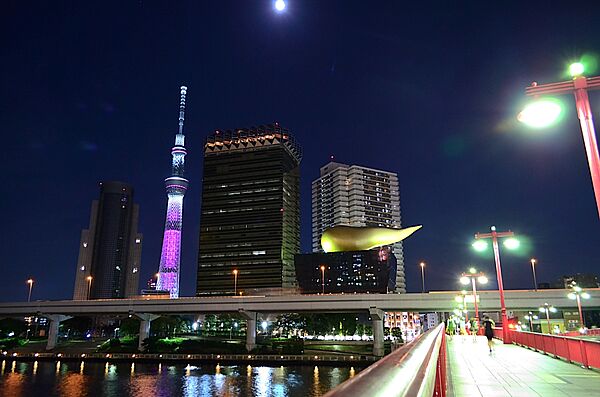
357	196
250	218
110	249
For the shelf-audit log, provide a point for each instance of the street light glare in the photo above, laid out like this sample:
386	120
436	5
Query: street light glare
512	243
472	270
280	5
464	280
585	295
540	114
571	296
576	69
482	279
479	245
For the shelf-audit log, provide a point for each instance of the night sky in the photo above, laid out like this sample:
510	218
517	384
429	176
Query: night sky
429	90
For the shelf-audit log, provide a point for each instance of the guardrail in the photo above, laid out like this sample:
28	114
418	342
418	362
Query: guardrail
416	369
574	350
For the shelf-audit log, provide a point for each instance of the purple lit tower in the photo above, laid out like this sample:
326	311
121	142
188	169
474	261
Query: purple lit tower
176	184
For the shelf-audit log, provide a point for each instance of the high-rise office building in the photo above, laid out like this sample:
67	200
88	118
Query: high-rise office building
176	185
110	249
250	218
357	196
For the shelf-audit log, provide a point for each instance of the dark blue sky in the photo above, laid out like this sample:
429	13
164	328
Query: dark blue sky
90	92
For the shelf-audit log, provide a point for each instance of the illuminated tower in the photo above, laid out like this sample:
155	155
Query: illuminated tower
176	185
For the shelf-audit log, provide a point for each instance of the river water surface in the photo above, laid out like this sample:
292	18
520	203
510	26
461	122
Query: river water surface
74	379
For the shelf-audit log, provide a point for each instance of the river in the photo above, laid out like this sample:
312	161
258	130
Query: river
79	379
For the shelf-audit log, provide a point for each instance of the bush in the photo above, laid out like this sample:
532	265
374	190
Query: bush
11	343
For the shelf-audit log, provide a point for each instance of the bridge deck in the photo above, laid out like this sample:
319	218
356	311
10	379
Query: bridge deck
513	371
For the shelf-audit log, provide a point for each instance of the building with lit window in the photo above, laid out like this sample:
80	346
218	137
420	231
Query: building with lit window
372	271
357	196
111	247
250	219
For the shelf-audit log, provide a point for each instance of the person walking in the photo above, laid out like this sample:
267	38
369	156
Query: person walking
488	326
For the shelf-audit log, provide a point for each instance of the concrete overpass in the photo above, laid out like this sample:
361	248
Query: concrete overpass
147	309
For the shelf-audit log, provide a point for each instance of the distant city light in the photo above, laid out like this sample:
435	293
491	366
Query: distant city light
280	5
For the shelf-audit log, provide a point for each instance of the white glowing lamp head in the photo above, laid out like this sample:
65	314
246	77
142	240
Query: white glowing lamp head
571	296
464	280
480	245
511	243
540	114
585	295
482	279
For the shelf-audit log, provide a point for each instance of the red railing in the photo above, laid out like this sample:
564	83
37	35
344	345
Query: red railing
416	369
573	350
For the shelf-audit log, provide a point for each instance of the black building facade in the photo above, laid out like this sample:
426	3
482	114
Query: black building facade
250	218
372	271
110	249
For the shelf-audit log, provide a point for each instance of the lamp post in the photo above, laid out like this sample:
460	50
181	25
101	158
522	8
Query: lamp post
530	317
533	262
30	282
322	280
470	278
577	293
543	113
511	243
89	280
548	309
235	274
462	298
422	264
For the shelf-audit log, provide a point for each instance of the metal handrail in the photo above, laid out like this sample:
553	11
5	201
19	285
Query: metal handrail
407	371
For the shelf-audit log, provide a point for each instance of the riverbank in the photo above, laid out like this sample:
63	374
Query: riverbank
256	359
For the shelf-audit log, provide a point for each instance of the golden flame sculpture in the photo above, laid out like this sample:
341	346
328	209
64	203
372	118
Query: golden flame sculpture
351	238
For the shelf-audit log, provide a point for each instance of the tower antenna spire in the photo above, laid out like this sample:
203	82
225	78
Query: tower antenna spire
182	108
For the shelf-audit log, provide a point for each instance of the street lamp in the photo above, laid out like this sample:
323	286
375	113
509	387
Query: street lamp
530	317
30	282
89	280
541	113
470	278
577	293
279	5
548	309
235	273
422	264
322	280
509	242
533	262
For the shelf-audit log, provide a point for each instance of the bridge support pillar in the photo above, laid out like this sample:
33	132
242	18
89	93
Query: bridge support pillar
145	320
250	329
55	320
377	316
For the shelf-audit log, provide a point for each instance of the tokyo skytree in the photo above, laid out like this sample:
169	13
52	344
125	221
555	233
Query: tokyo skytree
176	186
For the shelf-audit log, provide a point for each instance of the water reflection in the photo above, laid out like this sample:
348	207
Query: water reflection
74	379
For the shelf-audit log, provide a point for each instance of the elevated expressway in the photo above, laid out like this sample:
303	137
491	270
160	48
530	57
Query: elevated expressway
147	309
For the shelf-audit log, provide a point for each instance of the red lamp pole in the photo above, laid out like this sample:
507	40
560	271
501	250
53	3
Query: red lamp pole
475	300
580	311
579	87
494	235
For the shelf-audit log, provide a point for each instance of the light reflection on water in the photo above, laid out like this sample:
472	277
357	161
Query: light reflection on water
90	379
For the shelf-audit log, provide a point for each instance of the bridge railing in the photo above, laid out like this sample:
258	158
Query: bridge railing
415	369
574	350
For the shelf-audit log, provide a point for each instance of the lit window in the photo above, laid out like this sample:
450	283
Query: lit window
137	241
84	245
135	269
82	268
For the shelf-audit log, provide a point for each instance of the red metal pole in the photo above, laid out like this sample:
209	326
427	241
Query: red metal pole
580	311
475	300
584	113
500	286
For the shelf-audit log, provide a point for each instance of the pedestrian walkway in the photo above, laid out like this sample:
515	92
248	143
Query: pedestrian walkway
513	371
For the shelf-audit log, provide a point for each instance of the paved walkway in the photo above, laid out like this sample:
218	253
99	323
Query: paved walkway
513	371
